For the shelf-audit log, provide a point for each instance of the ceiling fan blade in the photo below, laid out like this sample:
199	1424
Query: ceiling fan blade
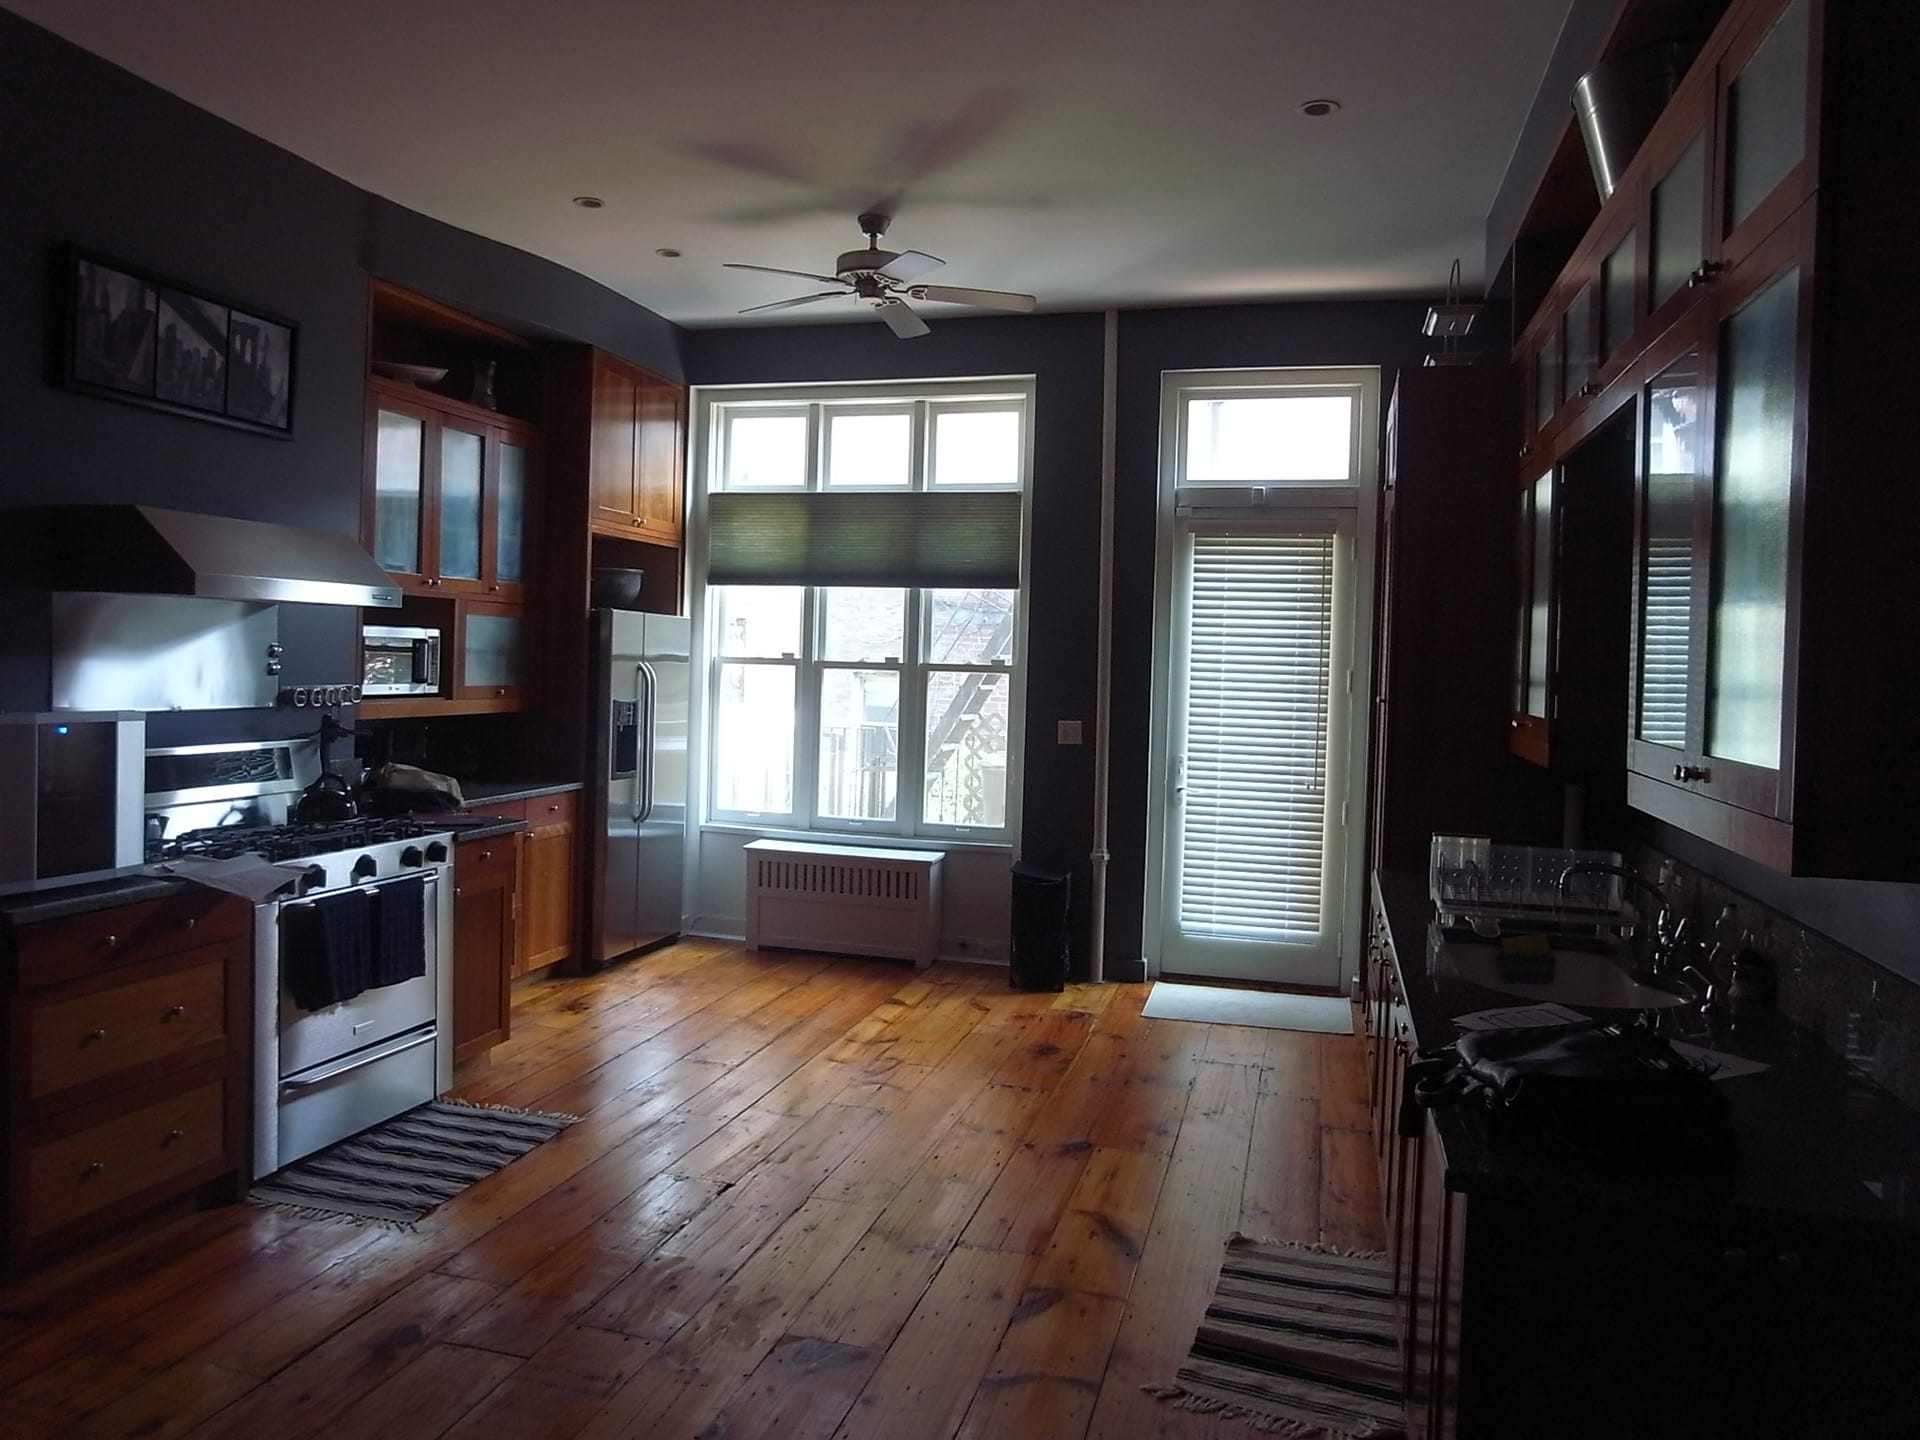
771	270
990	299
789	304
901	319
909	263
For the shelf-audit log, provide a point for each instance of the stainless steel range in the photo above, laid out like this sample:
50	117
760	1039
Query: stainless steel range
352	969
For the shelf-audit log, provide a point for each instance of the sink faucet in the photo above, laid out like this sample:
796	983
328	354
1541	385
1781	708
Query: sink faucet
1658	947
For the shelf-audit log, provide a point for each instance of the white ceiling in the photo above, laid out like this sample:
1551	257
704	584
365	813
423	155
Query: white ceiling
1092	152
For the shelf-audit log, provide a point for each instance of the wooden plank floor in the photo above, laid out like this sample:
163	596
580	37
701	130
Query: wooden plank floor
807	1197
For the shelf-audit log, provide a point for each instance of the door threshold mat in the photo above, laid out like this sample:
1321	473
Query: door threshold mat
403	1168
1217	1005
1298	1340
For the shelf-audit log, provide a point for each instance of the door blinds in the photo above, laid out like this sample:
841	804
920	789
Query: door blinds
1260	644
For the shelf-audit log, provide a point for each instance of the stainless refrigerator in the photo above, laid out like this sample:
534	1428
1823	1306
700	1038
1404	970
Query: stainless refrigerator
637	787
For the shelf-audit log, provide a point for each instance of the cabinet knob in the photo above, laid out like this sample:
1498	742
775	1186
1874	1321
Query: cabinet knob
493	587
94	1037
486	854
458	892
1686	774
1735	1257
174	1012
1590	389
110	941
174	1137
190	922
1790	1260
98	1167
1706	271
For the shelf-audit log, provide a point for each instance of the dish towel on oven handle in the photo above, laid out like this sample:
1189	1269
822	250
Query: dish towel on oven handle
399	932
327	948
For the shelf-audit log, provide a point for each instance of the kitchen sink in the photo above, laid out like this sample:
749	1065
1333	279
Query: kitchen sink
1596	979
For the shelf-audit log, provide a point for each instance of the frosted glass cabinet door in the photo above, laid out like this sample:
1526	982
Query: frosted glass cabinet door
510	515
1673	454
1753	482
1767	115
463	458
397	491
1679	222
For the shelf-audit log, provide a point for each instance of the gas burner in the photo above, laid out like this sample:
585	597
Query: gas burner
277	843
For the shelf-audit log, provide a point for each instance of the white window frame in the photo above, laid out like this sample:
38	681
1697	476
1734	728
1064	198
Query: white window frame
1355	499
923	399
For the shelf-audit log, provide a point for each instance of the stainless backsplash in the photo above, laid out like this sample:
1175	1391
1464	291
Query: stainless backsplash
163	652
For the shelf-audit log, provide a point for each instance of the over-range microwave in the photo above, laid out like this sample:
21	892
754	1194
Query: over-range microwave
399	660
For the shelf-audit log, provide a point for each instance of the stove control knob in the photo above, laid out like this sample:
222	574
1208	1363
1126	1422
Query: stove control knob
437	851
411	856
312	878
365	868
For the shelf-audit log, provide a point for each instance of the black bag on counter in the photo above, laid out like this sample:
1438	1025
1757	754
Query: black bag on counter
1618	1096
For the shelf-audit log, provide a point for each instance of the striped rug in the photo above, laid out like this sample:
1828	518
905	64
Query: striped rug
396	1172
1298	1340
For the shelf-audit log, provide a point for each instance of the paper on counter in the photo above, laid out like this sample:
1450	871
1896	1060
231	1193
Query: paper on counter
1515	1017
245	875
1718	1063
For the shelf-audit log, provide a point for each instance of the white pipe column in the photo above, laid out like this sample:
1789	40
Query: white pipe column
1103	647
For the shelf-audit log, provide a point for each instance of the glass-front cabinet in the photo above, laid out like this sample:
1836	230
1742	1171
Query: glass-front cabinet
1536	546
492	652
1721	469
450	495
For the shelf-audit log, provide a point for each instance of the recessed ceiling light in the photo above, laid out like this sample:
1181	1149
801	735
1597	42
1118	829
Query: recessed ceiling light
588	202
667	252
1317	108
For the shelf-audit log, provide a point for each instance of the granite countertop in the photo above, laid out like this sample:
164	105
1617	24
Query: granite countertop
1816	1138
481	792
32	906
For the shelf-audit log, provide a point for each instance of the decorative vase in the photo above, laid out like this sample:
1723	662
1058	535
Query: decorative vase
482	383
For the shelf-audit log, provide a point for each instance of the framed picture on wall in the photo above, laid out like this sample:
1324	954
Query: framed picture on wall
155	342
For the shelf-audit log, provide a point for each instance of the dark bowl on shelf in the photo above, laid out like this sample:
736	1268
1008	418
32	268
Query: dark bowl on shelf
615	588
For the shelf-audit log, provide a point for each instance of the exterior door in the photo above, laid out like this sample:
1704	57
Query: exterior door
1256	844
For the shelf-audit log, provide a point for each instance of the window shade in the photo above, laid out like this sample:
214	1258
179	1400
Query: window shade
1260	646
921	538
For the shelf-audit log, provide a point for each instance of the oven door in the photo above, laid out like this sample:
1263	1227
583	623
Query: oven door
313	1038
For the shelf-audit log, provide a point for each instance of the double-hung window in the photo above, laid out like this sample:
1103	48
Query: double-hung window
861	605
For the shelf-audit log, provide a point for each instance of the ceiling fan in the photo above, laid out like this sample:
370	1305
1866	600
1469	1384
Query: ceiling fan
885	278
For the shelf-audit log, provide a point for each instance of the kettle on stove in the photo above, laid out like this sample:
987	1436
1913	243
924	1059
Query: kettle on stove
329	797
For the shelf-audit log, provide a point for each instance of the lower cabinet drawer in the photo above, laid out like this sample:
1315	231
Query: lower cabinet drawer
89	1036
71	1177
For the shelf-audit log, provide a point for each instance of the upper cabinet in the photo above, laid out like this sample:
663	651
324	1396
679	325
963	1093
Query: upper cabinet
455	481
450	488
1758	354
635	464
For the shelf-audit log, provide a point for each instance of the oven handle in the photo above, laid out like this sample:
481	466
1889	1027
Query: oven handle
432	878
397	1046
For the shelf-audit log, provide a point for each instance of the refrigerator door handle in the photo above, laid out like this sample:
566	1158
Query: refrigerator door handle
649	685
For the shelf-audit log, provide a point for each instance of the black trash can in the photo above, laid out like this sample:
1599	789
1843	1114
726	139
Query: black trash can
1039	960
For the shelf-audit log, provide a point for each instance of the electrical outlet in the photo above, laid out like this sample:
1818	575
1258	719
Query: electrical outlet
1067	732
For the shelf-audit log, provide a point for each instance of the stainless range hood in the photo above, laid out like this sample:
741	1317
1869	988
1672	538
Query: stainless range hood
145	550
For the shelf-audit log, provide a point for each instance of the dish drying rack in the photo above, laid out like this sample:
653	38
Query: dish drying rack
1496	889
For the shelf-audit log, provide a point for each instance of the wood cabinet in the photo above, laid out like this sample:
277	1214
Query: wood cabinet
450	491
128	1065
458	503
635	462
550	914
486	940
1609	1306
1762	706
1443	659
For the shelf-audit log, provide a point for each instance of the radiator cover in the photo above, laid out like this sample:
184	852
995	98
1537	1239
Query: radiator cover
844	899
